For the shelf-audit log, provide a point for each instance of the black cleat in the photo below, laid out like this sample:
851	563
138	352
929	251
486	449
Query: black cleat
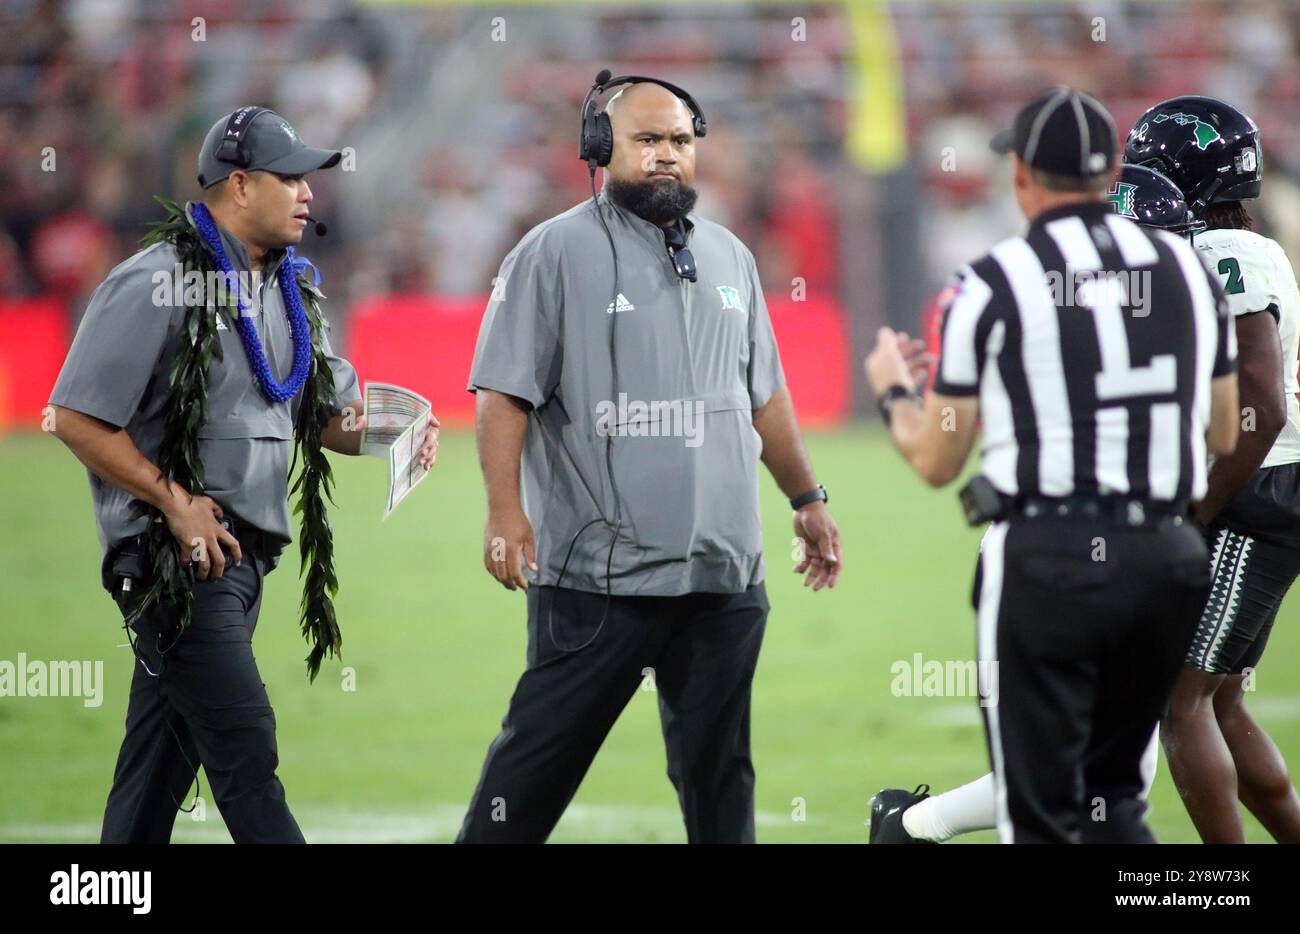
887	809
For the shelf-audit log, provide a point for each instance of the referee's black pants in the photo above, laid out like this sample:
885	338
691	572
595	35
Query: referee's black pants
1082	629
197	698
701	650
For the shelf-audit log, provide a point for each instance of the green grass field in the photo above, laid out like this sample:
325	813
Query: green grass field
437	645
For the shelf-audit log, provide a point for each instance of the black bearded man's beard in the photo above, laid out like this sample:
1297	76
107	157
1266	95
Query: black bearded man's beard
661	201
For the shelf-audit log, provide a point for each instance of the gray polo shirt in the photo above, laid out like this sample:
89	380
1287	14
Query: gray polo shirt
695	359
118	370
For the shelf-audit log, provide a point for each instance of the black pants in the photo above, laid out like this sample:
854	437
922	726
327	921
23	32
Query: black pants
203	703
1254	560
1083	626
703	649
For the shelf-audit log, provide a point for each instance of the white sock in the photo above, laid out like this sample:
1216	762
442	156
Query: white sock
1147	767
962	810
973	806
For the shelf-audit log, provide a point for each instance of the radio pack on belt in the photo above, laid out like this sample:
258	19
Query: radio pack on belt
981	501
129	559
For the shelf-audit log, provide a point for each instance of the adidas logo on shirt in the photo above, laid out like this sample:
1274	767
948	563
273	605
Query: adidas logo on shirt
623	305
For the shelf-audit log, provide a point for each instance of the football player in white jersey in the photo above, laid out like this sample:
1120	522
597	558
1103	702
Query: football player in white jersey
1218	754
899	816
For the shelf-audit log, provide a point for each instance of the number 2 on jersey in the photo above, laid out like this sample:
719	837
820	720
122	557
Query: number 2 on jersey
1228	266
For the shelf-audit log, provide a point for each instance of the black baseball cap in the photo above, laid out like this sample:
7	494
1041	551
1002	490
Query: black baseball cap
1062	131
253	139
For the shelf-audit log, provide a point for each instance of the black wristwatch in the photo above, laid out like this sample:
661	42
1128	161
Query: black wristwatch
818	495
892	395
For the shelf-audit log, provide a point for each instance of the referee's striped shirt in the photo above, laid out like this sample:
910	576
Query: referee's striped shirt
1091	343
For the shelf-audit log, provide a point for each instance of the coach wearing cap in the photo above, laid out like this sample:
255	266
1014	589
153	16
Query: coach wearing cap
1098	397
196	695
637	394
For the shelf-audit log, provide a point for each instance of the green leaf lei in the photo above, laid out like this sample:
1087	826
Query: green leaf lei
179	462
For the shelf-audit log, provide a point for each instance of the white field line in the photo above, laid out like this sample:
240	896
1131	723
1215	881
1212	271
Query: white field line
586	822
1276	709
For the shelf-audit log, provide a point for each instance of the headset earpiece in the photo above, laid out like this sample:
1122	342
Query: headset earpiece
596	144
231	147
604	139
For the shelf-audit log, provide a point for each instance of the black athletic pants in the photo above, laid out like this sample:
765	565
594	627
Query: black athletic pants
1083	625
703	649
1254	560
197	698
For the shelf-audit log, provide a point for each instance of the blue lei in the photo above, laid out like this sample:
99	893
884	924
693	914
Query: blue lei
299	328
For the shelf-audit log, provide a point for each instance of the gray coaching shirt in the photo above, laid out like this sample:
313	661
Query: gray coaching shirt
695	359
117	371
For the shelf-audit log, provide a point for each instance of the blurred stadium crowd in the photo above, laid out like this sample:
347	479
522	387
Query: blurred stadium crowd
465	137
969	67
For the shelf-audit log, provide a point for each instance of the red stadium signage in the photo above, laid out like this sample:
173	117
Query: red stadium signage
36	338
427	344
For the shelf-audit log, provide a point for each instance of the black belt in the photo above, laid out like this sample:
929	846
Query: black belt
1121	510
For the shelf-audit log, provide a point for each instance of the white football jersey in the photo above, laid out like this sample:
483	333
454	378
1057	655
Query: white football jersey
1256	274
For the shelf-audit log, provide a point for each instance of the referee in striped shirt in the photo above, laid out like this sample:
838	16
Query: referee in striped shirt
1097	359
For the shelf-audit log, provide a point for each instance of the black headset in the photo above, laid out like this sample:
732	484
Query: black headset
231	148
596	144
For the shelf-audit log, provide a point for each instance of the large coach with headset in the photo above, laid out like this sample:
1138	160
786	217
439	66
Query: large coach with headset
628	383
1097	359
